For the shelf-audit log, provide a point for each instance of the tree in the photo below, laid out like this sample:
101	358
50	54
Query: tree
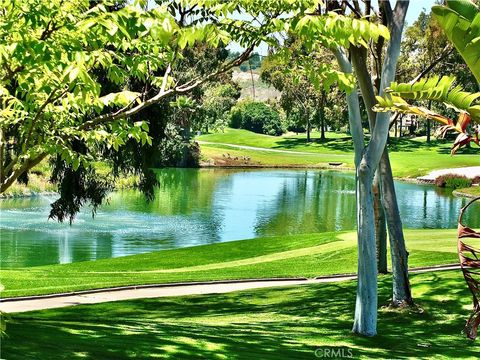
426	51
54	103
366	160
292	70
458	20
217	101
256	116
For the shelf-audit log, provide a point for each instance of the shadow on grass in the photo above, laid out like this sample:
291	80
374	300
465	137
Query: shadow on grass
440	146
344	144
281	323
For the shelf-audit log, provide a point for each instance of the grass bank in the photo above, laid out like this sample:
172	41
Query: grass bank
307	255
277	323
410	157
473	192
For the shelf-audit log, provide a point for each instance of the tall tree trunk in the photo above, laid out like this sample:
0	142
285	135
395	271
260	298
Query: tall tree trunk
401	286
402	295
365	321
253	82
380	225
309	128
429	123
322	116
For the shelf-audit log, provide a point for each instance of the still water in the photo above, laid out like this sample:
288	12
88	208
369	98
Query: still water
203	206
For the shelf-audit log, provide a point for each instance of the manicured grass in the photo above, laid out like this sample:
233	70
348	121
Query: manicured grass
336	143
472	191
409	157
259	157
276	323
306	255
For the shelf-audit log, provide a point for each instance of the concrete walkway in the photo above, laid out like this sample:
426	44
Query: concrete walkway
42	302
470	172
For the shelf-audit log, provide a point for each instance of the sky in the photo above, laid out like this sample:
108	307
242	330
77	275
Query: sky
414	9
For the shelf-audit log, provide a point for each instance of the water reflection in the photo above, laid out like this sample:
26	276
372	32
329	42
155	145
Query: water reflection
194	207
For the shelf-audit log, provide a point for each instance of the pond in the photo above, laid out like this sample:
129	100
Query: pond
203	206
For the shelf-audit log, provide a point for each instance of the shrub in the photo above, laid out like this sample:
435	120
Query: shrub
453	181
257	117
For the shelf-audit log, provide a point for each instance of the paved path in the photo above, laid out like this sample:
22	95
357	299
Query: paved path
266	149
469	172
13	305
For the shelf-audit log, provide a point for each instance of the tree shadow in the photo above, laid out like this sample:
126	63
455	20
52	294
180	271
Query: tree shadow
343	144
278	323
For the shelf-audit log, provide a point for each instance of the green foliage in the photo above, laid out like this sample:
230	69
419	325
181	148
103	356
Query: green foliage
218	99
452	181
460	20
435	89
304	78
172	149
257	117
253	63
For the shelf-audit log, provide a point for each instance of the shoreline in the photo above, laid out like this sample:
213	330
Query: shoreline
418	181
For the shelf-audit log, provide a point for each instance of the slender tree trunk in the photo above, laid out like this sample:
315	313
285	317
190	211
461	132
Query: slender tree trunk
402	295
309	128
322	116
380	225
365	321
253	82
401	286
401	125
429	123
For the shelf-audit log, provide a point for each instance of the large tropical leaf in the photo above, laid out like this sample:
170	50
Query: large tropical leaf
442	90
434	89
460	20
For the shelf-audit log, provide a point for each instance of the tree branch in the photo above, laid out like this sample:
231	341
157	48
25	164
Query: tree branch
380	133
182	89
447	51
27	165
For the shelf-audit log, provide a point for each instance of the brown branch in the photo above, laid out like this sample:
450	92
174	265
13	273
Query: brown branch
27	165
182	89
447	51
51	99
11	73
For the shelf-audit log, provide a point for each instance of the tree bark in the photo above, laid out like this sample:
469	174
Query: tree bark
380	225
309	128
402	295
365	319
366	303
365	322
322	116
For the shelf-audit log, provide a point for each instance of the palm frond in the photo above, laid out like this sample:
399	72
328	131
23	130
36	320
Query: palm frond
460	20
435	89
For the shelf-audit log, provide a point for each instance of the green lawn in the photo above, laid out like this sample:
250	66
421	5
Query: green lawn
410	157
472	191
307	255
276	323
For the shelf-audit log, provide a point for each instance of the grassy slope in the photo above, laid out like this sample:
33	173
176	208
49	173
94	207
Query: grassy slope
279	323
410	157
306	255
472	191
